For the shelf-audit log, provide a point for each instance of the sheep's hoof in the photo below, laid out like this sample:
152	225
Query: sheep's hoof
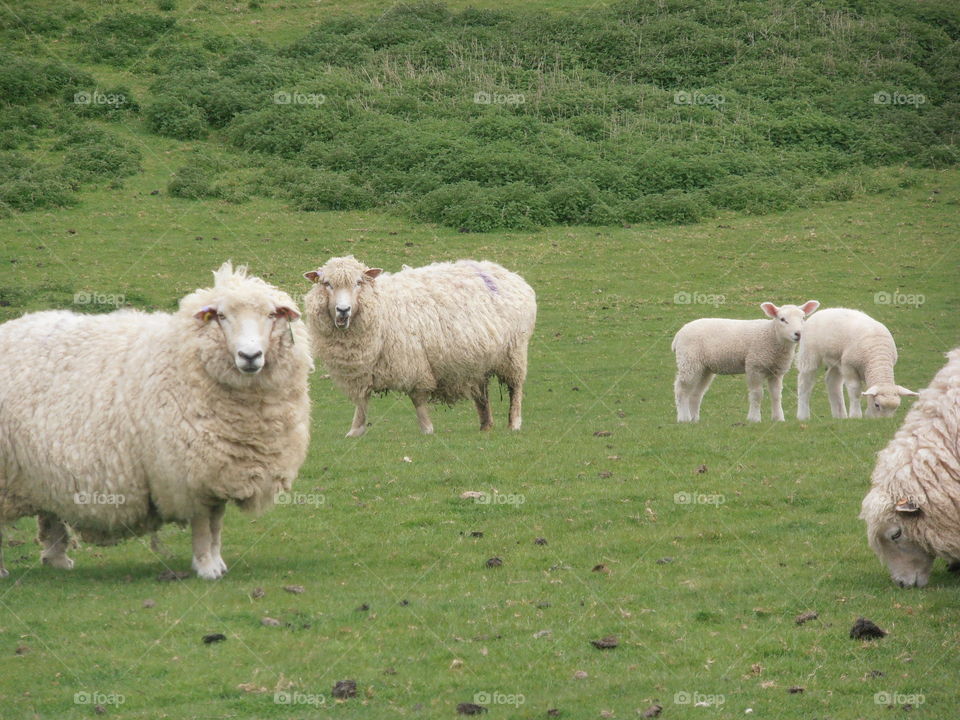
209	569
4	572
486	428
61	562
356	432
427	430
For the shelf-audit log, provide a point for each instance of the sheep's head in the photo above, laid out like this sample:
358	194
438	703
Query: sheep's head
884	399
891	527
342	281
788	319
241	317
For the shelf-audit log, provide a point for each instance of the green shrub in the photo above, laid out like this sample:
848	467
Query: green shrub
674	206
97	161
171	117
120	38
332	191
192	182
110	103
26	185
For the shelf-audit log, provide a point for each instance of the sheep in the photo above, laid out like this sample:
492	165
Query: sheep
115	424
436	333
763	349
858	351
912	510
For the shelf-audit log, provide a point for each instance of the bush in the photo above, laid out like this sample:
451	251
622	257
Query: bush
171	117
120	38
97	161
25	185
673	207
332	191
110	103
192	182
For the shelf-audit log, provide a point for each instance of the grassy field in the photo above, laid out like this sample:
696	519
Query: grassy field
696	546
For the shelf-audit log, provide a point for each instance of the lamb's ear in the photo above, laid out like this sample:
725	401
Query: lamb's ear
372	272
770	309
906	506
206	313
287	312
870	391
809	306
314	276
901	390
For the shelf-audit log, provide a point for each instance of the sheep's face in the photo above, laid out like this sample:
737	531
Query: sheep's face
342	283
788	319
883	400
887	532
247	328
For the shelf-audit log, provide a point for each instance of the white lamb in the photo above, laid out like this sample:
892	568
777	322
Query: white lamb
763	349
858	351
436	333
115	424
913	508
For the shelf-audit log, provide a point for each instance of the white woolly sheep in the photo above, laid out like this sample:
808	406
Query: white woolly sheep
435	333
763	349
913	508
115	424
858	351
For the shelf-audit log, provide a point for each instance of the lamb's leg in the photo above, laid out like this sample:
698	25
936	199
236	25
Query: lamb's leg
775	387
695	398
755	395
834	382
420	399
853	394
55	539
482	401
359	426
805	383
683	390
216	527
204	562
514	374
3	571
514	419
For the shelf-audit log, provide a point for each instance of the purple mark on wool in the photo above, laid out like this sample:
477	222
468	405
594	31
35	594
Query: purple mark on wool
487	280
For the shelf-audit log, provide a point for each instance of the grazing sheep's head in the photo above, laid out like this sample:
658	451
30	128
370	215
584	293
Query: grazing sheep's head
241	316
884	399
890	526
788	319
342	280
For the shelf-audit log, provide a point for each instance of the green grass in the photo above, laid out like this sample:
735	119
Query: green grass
786	538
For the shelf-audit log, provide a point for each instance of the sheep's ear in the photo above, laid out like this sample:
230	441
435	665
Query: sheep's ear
906	506
809	306
313	276
870	391
372	272
287	312
901	390
206	314
770	309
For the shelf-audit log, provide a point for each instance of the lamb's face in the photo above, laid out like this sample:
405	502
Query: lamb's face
342	281
789	319
883	400
909	564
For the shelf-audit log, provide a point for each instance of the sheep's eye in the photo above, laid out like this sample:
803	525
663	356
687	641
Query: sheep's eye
783	319
327	285
272	316
221	316
359	282
897	534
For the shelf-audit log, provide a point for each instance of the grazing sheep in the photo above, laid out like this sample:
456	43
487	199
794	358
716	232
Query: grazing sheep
913	508
436	333
115	424
763	349
857	351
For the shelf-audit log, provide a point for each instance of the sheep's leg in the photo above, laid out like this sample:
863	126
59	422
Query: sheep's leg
204	562
695	397
216	527
834	383
775	387
684	389
514	419
55	539
359	426
755	395
482	401
853	394
3	571
805	383
420	399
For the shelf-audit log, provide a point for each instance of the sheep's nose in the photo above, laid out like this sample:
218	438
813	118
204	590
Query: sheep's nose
249	358
343	309
796	336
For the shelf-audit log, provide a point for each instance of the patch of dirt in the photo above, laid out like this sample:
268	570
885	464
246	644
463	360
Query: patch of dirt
864	629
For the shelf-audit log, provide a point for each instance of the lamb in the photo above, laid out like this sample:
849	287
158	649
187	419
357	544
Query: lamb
912	510
858	351
115	424
763	349
436	333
